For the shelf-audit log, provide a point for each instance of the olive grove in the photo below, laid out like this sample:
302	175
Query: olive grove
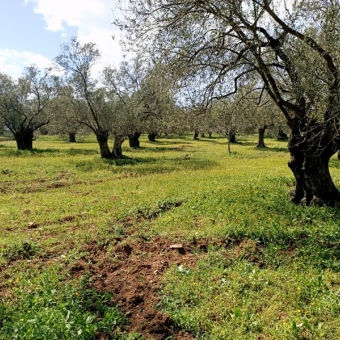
288	49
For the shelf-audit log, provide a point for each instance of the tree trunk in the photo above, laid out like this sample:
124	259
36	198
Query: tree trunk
102	138
232	137
314	184
262	130
117	146
281	135
196	135
134	140
152	136
210	134
24	139
43	131
72	137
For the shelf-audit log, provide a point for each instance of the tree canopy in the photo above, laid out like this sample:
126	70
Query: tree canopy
287	49
24	103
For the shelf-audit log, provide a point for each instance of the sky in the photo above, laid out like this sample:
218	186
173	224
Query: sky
33	30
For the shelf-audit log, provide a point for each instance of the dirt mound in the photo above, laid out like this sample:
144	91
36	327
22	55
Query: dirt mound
132	273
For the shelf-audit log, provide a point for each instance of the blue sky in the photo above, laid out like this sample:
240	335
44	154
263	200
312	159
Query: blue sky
33	30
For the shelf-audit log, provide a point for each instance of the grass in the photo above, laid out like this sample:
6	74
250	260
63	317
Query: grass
44	309
270	271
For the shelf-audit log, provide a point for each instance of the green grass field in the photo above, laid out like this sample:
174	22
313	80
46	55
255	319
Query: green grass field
254	265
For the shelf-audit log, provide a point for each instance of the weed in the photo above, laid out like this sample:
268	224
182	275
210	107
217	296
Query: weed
22	250
44	309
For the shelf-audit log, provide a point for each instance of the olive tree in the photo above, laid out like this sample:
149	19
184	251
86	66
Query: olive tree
24	103
124	86
289	48
65	114
93	107
143	97
260	113
228	117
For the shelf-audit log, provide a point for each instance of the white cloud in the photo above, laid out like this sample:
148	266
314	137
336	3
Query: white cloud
92	19
73	13
13	62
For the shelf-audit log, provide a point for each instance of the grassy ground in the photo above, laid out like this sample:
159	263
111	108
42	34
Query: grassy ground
263	269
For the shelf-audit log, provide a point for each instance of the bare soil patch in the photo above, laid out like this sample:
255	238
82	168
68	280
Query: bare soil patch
132	273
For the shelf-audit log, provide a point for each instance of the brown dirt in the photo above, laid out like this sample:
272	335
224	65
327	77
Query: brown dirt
132	272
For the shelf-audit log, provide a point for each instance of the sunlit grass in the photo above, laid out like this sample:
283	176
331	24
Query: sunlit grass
273	272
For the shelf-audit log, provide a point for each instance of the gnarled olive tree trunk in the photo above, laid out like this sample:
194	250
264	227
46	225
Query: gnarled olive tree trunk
134	139
232	136
102	139
24	139
310	166
72	137
152	136
117	146
262	130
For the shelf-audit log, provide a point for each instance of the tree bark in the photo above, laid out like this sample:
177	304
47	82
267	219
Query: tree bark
117	146
262	130
313	182
43	131
228	143
232	137
72	137
102	138
152	136
281	135
134	140
24	139
196	135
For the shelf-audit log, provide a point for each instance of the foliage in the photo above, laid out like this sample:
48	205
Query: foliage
43	309
90	106
24	103
19	251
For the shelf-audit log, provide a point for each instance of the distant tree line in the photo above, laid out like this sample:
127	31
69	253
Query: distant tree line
137	97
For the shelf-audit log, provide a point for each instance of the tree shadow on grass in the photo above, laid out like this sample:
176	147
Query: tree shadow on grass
194	164
15	152
334	163
130	161
224	141
153	165
168	142
75	151
246	143
275	149
162	148
213	140
321	250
